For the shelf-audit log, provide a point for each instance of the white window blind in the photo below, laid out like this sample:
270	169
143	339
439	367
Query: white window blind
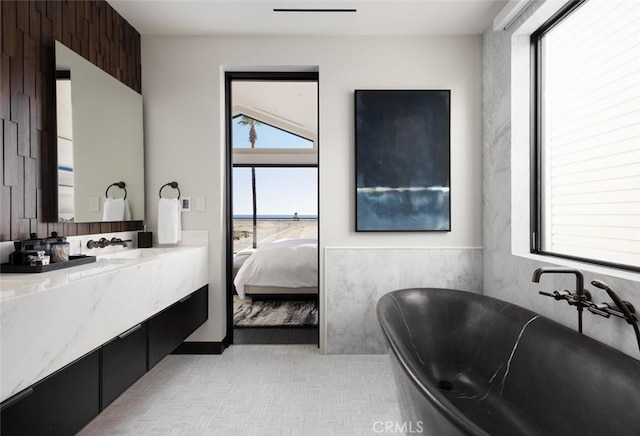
591	134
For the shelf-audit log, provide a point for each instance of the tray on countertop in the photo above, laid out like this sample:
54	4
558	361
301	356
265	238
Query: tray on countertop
73	261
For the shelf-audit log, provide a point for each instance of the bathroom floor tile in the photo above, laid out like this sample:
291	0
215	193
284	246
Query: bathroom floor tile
256	390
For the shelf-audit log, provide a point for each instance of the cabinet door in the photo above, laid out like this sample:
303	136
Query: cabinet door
170	327
124	360
61	404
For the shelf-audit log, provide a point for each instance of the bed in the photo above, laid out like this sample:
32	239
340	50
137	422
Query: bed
287	266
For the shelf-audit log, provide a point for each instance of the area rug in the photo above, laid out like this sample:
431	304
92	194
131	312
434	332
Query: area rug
274	313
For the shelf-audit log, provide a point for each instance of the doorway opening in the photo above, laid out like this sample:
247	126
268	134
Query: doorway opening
272	208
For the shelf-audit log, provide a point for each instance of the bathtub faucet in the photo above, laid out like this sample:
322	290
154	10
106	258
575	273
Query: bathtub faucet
559	270
581	298
625	309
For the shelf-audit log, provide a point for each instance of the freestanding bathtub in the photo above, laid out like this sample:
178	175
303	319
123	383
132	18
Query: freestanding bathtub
466	364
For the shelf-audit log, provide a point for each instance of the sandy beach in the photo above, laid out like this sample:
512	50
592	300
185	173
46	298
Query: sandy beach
271	230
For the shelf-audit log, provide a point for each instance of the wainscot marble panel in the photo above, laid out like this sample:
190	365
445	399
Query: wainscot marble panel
355	278
48	320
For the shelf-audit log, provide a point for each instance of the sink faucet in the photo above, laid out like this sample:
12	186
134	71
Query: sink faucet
104	242
118	241
581	297
101	243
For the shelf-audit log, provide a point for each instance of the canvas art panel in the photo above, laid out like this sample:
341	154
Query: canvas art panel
403	160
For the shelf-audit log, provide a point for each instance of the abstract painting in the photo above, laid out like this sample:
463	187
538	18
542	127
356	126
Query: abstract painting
403	160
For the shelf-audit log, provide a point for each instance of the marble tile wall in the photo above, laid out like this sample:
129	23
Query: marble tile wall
78	244
355	278
505	275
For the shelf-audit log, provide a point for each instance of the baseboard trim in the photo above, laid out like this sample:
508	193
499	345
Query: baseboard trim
201	347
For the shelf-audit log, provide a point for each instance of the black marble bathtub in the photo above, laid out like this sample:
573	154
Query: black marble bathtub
466	364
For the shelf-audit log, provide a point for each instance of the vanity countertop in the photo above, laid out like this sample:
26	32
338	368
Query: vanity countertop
16	285
48	321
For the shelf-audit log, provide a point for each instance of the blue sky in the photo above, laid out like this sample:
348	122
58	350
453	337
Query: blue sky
279	191
268	137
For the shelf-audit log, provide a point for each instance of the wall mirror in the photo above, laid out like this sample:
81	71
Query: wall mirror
100	143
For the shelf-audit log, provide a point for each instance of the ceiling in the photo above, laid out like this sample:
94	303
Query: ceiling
257	18
290	105
293	106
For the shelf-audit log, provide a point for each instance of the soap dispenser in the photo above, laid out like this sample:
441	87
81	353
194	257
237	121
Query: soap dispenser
145	239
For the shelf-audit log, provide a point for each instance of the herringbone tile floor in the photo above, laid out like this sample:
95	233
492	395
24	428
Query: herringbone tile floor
274	390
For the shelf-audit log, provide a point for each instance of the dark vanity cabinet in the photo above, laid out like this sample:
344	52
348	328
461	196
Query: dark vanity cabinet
124	360
170	328
67	400
60	404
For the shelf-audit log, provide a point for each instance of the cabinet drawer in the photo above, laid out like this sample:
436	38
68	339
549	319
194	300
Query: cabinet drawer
170	327
61	404
64	402
124	360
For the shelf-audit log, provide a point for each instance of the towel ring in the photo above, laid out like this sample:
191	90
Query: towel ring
120	185
173	185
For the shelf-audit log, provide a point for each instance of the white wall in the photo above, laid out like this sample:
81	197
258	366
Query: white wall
183	89
508	266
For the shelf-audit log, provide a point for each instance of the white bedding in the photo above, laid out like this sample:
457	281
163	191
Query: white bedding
288	263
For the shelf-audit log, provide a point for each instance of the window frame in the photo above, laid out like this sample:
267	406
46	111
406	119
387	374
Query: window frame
537	84
235	110
229	78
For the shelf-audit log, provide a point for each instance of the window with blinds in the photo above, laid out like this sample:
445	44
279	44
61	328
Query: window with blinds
587	135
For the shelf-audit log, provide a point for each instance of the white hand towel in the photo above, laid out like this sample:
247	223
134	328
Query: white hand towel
169	221
127	211
114	209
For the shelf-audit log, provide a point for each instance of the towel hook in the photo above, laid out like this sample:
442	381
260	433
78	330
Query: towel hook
173	185
120	185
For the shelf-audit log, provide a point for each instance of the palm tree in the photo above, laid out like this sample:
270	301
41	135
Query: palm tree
253	136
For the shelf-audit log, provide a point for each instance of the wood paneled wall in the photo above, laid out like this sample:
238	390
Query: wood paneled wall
94	30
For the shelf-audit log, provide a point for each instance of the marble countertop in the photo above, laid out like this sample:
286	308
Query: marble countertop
50	319
16	285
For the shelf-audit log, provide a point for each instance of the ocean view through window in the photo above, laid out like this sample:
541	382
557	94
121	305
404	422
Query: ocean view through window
286	205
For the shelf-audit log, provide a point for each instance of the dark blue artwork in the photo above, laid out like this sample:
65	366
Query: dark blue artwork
403	160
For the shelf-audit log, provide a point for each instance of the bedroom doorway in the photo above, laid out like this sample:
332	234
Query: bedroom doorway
272	208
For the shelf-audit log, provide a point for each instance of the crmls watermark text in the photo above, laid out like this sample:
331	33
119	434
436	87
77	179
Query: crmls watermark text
394	427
